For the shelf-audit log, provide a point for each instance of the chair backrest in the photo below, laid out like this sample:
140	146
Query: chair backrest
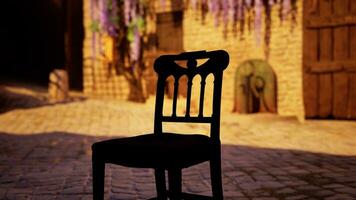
166	66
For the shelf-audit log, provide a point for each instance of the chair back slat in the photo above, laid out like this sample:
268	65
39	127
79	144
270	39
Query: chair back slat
189	96
201	99
175	97
166	66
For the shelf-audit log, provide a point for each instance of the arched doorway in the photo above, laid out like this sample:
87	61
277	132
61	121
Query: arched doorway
255	87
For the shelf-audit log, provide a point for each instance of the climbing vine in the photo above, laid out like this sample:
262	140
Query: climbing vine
124	21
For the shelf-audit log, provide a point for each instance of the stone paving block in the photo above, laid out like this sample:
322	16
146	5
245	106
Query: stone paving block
347	190
296	197
285	191
294	183
87	197
307	188
256	193
8	179
2	193
234	198
340	196
123	196
250	186
233	194
69	197
346	179
44	197
48	189
121	185
323	193
271	184
73	190
334	186
196	187
25	191
17	196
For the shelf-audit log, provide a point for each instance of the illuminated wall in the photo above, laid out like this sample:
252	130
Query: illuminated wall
285	57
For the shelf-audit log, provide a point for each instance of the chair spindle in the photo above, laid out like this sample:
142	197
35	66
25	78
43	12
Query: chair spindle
201	100
175	96
189	94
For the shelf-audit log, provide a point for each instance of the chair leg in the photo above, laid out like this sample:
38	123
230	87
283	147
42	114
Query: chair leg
215	174
98	178
175	183
160	184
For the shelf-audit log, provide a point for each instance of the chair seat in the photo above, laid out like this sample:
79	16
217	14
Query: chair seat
166	150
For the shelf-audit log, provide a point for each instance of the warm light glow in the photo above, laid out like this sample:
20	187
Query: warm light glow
95	117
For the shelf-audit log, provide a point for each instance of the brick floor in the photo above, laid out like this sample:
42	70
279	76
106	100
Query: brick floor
45	152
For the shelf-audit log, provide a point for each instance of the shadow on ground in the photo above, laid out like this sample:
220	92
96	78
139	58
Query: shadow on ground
57	165
27	98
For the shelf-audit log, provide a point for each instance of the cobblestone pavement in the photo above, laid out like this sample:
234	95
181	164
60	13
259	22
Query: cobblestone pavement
45	152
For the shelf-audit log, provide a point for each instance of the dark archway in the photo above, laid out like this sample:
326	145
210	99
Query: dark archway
255	87
36	38
32	39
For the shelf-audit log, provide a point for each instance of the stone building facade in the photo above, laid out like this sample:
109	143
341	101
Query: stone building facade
285	56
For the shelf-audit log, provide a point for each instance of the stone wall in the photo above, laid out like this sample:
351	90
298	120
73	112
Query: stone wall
285	57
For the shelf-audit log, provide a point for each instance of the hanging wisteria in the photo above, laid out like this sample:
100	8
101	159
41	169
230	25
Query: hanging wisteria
115	17
240	11
235	10
124	21
127	17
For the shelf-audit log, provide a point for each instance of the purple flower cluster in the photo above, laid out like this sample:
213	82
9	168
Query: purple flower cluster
108	16
235	10
239	6
258	20
134	16
135	46
286	8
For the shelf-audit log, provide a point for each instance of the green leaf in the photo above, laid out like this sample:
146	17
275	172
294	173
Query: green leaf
140	23
95	26
130	34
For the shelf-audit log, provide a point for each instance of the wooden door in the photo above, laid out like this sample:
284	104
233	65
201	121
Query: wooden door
170	41
170	32
329	59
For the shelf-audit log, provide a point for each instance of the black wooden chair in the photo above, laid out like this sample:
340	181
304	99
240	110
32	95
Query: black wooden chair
171	151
